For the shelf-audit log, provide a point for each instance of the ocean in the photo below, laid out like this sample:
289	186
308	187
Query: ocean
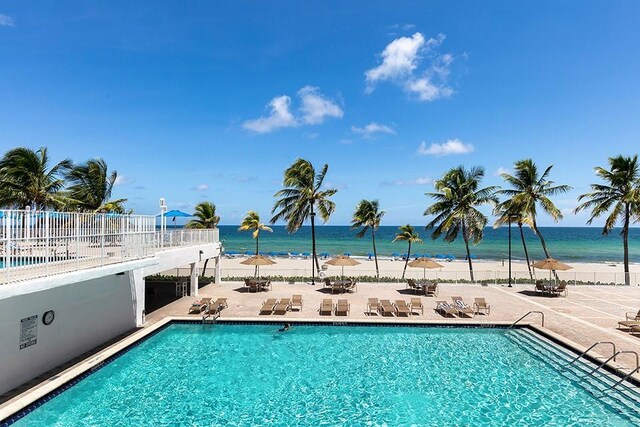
585	244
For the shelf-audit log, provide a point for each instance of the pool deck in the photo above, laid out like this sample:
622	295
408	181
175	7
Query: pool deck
588	314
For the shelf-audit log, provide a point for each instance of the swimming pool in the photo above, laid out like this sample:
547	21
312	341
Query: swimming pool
244	375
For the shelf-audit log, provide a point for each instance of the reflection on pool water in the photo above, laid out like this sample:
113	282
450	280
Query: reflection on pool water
242	375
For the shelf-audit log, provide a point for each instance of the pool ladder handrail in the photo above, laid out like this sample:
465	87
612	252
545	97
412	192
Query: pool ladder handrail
595	344
623	379
614	355
207	314
532	311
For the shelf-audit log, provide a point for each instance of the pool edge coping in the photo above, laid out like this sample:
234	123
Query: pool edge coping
83	368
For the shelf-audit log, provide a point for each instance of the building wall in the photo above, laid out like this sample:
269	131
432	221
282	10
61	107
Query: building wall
87	314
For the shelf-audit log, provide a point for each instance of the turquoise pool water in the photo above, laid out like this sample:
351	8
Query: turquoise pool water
251	375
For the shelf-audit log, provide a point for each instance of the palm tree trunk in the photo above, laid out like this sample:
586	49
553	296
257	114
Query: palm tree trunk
544	245
314	257
255	272
542	242
625	242
466	245
375	252
406	261
526	251
205	267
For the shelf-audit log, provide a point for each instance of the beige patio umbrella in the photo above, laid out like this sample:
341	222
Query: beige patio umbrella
551	265
258	260
343	260
424	263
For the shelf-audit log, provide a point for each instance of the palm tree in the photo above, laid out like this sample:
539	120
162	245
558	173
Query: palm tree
530	190
90	185
457	198
205	213
407	234
301	196
251	221
508	213
368	216
26	179
206	218
619	196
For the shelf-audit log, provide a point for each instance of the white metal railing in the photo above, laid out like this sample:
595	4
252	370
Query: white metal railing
491	277
41	243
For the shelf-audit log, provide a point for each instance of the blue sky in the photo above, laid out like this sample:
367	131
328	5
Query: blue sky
213	100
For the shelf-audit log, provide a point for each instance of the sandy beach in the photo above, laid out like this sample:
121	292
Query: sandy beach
604	273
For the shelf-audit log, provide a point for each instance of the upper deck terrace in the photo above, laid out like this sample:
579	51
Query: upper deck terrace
35	244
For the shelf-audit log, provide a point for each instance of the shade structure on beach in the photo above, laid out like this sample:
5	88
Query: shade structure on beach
551	265
342	260
258	260
424	263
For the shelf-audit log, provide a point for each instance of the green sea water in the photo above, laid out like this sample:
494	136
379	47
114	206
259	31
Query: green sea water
586	244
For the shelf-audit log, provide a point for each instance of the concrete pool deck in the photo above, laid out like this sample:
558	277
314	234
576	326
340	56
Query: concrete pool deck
588	314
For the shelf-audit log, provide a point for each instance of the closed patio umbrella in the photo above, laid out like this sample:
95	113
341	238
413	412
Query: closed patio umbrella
424	263
342	260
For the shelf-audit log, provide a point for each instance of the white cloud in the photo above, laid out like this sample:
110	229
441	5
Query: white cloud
423	180
399	59
6	21
280	116
201	187
400	62
123	180
452	146
372	129
315	107
501	170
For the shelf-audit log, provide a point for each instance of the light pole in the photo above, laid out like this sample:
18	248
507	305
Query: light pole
163	209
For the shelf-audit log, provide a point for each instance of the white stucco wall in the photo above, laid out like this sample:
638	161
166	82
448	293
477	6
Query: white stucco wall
87	314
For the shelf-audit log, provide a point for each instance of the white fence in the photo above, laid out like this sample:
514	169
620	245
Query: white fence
492	277
40	243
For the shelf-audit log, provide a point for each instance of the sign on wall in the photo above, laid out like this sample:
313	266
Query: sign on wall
28	331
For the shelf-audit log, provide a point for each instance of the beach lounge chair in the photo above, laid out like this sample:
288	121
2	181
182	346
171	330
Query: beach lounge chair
251	284
402	308
561	289
342	308
461	306
481	305
431	289
445	308
335	286
283	306
326	307
411	284
268	306
198	306
540	287
632	319
373	306
386	308
217	306
352	286
416	304
264	285
296	302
